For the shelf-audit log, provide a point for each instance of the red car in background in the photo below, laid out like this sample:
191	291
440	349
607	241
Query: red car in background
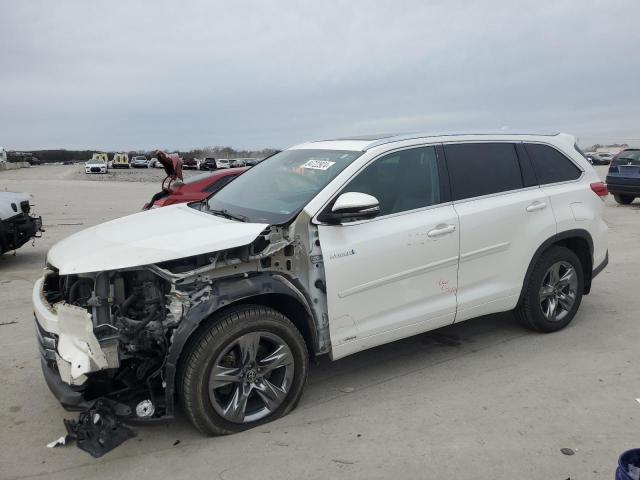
193	189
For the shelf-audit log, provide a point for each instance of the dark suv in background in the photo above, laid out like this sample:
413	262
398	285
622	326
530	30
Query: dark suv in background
209	163
623	178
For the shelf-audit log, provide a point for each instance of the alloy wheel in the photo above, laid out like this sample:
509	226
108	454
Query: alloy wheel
251	377
558	291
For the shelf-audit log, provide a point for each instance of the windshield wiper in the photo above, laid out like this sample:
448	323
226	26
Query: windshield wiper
225	213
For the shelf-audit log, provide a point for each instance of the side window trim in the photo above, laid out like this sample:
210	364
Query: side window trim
443	177
446	194
529	177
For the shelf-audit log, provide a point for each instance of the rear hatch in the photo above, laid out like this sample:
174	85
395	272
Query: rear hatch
625	168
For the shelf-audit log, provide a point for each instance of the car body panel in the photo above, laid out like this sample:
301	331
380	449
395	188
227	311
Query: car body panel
196	191
387	279
498	236
149	237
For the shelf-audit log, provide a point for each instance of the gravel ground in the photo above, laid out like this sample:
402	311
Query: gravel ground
483	399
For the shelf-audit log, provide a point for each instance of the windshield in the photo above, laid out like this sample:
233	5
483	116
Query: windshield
275	190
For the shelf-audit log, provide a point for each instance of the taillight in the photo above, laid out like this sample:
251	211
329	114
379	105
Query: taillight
600	189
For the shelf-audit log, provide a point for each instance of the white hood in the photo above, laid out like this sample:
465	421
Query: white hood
147	237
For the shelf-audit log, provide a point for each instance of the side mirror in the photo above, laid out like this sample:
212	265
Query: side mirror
352	206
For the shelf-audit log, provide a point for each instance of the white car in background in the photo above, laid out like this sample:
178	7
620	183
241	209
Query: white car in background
94	165
330	247
223	163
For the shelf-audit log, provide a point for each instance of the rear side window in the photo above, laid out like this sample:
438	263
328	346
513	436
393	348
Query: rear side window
550	165
477	169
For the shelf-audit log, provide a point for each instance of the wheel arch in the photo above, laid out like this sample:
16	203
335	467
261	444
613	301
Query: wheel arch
579	241
275	291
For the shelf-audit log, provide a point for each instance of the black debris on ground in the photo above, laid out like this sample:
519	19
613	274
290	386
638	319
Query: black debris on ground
98	430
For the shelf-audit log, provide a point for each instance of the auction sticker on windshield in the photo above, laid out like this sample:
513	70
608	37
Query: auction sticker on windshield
318	164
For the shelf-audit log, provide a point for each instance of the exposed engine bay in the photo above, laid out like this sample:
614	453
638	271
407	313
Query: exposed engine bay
128	311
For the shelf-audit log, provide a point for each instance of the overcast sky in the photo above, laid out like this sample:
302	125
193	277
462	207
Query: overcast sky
153	74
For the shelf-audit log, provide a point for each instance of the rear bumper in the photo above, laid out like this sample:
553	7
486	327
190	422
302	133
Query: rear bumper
623	186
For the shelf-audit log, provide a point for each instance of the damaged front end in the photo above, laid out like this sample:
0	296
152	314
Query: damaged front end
17	224
105	335
117	336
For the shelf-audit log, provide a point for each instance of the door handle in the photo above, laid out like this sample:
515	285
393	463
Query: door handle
535	206
440	230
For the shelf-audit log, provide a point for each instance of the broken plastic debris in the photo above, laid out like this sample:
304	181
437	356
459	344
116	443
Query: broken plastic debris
59	442
98	430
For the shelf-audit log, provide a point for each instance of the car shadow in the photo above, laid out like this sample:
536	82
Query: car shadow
329	380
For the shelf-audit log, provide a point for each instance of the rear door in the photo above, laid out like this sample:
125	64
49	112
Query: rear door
504	218
394	275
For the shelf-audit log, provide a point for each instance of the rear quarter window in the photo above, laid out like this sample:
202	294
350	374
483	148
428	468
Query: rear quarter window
477	169
550	165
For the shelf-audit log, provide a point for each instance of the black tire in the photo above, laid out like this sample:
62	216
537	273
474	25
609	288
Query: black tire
624	199
212	341
530	310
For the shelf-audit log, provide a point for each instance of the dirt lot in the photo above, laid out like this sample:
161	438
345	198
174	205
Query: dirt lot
484	399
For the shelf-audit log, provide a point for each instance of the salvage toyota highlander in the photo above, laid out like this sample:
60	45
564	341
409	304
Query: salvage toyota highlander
329	247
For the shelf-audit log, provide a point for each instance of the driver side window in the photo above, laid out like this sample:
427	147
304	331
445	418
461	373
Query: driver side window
401	181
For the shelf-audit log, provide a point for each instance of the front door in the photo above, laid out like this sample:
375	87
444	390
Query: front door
395	275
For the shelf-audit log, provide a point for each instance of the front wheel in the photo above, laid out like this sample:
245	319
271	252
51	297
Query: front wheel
623	199
554	291
246	368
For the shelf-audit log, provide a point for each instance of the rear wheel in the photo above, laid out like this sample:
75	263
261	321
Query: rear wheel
554	291
624	199
247	368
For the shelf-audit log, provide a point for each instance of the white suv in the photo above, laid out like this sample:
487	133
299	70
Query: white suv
329	247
